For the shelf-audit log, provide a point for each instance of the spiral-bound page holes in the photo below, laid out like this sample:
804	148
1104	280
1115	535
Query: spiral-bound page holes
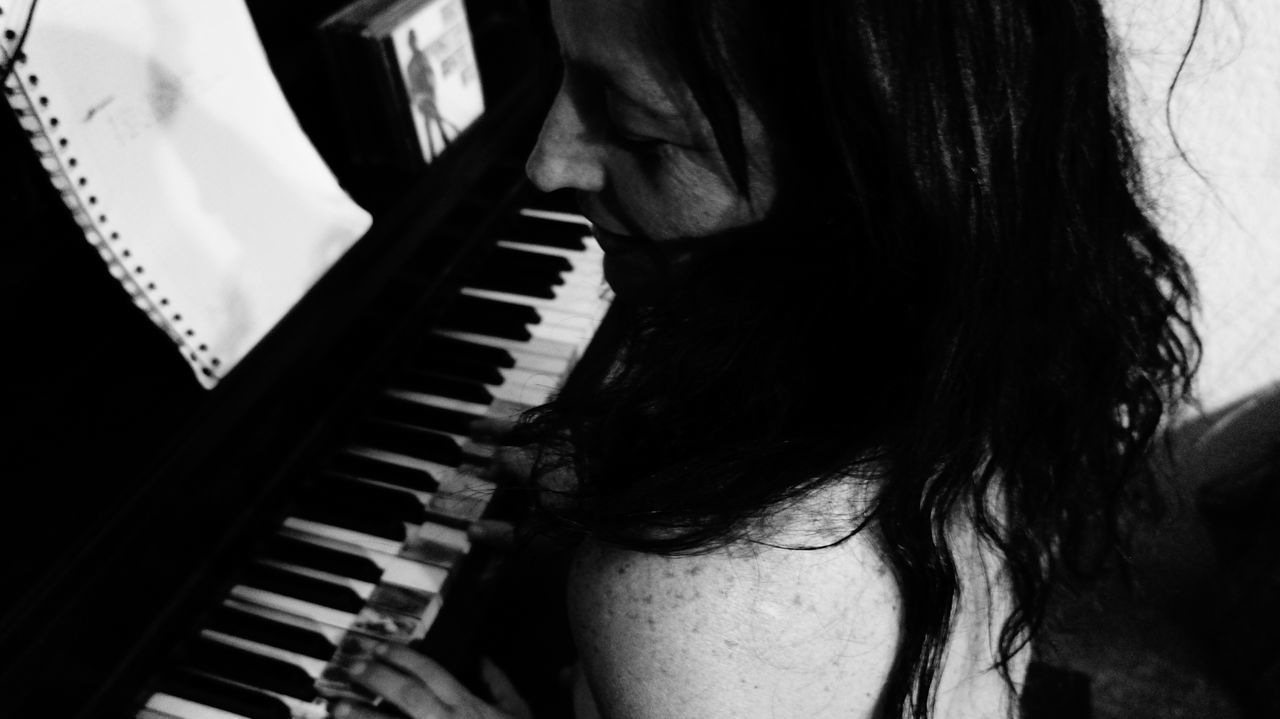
42	128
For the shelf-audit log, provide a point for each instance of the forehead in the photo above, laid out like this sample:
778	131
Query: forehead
608	38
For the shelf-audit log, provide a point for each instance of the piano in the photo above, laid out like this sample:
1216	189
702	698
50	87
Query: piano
177	553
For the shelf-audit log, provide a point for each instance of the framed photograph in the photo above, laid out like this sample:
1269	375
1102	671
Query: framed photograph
438	68
406	79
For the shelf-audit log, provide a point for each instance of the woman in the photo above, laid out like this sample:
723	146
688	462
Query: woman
896	331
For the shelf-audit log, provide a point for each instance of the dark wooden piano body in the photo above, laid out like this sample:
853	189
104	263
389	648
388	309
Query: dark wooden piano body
132	493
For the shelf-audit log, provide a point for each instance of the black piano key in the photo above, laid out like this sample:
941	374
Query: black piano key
232	621
463	352
488	326
458	368
335	514
244	667
371	499
488	317
222	695
460	359
409	441
440	386
549	233
293	551
516	267
413	413
519	265
531	261
514	284
356	465
499	311
308	589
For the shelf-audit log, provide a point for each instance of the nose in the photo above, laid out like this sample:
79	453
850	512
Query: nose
567	155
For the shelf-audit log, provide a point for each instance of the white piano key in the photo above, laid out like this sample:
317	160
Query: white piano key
565	217
152	714
536	364
572	337
524	388
448	537
521	379
169	705
579	285
569	320
145	713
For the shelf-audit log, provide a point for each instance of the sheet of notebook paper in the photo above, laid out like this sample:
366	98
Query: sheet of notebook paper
1226	115
189	163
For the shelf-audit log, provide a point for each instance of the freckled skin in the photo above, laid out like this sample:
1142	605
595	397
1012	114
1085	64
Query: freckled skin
706	636
763	632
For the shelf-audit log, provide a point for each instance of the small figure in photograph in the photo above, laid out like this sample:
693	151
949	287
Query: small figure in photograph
422	95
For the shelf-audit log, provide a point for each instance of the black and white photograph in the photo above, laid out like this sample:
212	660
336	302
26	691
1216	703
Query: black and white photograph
435	55
640	359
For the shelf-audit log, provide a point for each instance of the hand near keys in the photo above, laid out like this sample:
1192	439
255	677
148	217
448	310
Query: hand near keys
422	689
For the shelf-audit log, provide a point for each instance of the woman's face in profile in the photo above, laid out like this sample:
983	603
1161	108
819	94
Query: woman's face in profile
627	136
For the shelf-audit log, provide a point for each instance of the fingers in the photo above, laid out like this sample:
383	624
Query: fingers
410	695
423	689
415	684
492	532
435	677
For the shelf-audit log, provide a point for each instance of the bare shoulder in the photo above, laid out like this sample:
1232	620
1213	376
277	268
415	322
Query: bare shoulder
753	630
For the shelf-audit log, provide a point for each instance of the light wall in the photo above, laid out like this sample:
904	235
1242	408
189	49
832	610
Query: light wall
1226	114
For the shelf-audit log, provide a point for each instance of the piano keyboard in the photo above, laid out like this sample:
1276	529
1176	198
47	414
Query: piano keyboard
371	549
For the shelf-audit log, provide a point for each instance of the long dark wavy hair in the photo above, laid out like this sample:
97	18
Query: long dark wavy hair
959	295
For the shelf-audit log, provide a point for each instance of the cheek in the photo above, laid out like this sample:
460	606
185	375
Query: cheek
678	198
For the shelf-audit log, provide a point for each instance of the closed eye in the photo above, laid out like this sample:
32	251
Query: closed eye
636	142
